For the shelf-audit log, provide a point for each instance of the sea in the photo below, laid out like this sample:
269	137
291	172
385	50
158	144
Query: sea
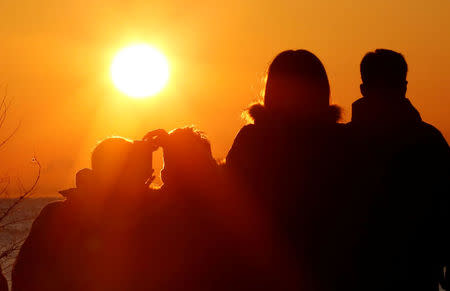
16	226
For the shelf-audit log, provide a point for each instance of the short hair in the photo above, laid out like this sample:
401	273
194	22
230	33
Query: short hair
188	139
384	68
110	155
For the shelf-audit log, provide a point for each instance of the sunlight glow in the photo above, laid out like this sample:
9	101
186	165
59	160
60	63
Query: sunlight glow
140	71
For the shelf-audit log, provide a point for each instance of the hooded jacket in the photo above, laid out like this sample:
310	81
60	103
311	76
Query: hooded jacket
289	170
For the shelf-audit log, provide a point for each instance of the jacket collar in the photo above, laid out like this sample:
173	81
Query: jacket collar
366	110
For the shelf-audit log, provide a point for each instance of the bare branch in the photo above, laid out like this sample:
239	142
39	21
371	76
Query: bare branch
4	107
24	195
8	181
6	224
4	98
20	185
9	136
4	110
11	249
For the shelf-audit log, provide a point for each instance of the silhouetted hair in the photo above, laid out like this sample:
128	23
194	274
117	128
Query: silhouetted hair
110	157
83	178
297	78
188	151
384	68
297	87
109	152
187	143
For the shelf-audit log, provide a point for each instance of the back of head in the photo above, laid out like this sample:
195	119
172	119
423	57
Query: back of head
383	73
109	159
118	161
297	84
187	155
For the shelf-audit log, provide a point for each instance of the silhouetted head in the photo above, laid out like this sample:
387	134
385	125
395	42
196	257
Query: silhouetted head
297	84
187	157
83	178
118	162
383	74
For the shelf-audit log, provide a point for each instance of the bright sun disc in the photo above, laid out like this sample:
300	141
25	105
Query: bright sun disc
140	71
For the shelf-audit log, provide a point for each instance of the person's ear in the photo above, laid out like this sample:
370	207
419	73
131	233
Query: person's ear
363	89
404	88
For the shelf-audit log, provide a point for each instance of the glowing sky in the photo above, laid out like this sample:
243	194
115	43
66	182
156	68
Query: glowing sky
55	58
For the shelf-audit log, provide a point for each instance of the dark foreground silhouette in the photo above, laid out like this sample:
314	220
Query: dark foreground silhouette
289	162
302	202
73	245
193	244
401	184
114	233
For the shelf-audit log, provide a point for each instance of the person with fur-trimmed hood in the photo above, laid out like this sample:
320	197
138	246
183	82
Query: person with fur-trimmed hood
288	162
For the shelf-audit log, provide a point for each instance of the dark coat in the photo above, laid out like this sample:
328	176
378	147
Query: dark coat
175	238
180	244
190	242
61	249
401	189
49	257
291	173
78	244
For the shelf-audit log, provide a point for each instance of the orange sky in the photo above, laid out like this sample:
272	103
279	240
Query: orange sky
55	58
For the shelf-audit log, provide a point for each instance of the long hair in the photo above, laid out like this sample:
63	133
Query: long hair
297	87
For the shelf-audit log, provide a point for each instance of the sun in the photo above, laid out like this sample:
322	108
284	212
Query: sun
140	71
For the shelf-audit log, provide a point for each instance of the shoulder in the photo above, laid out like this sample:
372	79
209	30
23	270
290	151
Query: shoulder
42	225
433	132
243	140
433	141
428	137
49	211
247	130
245	135
52	207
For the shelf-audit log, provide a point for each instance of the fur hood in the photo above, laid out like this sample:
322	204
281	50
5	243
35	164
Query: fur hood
258	113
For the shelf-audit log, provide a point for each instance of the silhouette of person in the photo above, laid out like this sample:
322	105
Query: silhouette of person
288	162
401	179
73	244
190	243
3	282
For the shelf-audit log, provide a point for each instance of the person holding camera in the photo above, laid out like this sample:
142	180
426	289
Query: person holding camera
184	244
83	243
